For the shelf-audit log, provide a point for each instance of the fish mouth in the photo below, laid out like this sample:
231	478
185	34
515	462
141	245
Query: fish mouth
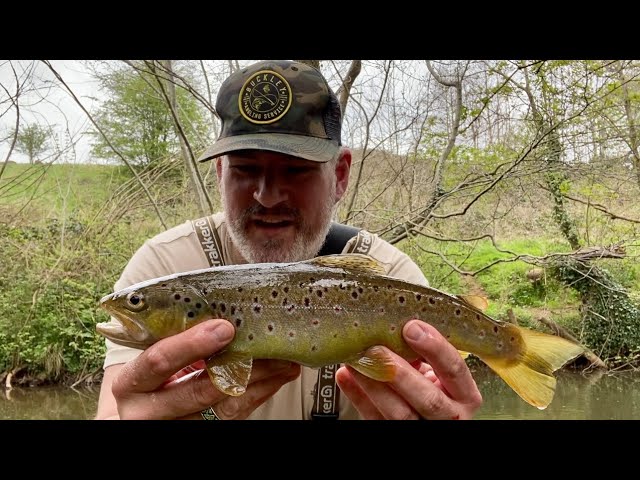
128	332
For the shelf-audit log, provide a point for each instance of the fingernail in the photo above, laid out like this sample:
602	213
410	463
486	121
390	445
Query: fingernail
223	332
415	331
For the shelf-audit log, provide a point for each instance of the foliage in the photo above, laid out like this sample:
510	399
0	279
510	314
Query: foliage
611	319
138	123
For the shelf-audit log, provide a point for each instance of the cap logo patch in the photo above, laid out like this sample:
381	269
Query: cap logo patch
265	97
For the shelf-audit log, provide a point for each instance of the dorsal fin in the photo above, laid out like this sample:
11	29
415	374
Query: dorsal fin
355	262
476	301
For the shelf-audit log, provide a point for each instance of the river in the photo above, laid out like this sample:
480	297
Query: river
593	396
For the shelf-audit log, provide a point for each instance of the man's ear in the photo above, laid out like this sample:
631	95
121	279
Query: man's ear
219	168
343	167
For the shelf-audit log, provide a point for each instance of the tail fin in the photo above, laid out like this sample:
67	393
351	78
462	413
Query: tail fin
531	375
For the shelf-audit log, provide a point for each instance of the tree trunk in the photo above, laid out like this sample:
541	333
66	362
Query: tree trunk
204	205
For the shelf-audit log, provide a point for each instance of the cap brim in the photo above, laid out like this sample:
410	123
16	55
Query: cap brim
309	148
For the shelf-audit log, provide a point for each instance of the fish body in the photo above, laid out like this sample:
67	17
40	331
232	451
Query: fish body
323	311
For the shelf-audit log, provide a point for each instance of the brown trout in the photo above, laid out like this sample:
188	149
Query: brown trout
323	311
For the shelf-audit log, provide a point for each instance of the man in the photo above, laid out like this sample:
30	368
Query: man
281	169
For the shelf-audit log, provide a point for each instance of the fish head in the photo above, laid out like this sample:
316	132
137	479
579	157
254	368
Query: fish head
148	312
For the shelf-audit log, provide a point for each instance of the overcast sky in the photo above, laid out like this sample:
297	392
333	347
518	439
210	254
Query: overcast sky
48	104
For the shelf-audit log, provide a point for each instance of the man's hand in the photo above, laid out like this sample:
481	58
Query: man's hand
154	386
441	388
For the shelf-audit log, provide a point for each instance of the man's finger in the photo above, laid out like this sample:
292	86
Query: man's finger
160	361
449	366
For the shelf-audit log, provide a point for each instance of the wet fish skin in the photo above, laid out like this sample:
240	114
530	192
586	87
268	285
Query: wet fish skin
323	311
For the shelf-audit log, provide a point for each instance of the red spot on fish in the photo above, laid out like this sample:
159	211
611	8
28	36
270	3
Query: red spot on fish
455	417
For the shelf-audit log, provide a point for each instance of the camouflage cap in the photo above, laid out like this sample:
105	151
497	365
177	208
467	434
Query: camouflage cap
281	106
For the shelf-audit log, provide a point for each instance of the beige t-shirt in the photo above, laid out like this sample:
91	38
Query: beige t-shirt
179	250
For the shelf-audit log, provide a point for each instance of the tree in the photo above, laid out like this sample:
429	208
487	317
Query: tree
138	122
33	140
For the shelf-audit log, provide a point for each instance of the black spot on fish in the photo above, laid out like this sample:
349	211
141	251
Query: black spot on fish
284	301
335	335
512	339
250	336
292	334
418	296
274	293
191	314
291	307
233	309
306	301
257	308
326	289
337	308
255	299
315	322
204	291
177	296
187	299
286	289
375	288
392	328
381	309
499	345
270	327
401	299
477	316
319	292
458	311
360	290
238	322
342	287
495	329
312	280
198	305
389	286
314	348
432	300
356	324
240	289
223	307
214	305
164	285
354	294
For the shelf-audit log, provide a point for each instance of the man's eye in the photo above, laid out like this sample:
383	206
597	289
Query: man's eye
245	168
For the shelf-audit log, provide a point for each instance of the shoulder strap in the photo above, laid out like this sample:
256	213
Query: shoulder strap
209	240
327	394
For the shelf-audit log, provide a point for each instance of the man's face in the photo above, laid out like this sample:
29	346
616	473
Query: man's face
279	208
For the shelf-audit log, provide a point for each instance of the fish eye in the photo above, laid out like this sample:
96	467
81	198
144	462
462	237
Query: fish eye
135	301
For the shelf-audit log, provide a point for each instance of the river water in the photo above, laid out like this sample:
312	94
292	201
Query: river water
593	396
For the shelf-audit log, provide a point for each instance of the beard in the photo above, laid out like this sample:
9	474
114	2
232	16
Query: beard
307	242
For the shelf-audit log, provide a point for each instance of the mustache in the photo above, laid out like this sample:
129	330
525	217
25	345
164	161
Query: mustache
279	210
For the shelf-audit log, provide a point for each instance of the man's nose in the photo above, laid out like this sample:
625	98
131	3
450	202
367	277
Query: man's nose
270	191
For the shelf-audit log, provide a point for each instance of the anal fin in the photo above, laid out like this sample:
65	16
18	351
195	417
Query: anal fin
230	372
375	363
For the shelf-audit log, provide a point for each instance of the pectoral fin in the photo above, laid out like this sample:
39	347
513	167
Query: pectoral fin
375	363
230	372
